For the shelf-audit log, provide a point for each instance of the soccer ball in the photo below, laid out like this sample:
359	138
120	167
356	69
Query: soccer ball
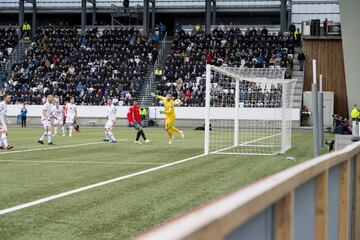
178	102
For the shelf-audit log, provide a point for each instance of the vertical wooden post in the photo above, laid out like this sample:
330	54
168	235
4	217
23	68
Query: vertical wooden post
344	201
356	224
321	206
284	217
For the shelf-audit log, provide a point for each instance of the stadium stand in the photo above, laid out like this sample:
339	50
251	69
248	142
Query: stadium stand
184	72
90	67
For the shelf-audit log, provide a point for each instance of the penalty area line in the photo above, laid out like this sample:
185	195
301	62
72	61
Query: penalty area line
56	147
71	192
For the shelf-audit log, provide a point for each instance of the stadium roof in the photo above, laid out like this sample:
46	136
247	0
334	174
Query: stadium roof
227	5
302	10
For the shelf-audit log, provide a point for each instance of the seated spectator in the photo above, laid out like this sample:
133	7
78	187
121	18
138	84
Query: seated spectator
301	58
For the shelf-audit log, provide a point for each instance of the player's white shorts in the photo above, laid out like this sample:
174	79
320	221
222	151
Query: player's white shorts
69	120
58	122
109	124
3	126
46	123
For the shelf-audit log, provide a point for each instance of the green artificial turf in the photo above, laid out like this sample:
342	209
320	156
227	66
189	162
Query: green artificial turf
123	209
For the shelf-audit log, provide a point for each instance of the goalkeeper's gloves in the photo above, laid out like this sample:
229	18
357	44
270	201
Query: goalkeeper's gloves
153	94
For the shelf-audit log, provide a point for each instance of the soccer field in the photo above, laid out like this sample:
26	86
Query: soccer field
128	199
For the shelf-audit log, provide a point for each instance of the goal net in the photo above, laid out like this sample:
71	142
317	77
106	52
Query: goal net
248	111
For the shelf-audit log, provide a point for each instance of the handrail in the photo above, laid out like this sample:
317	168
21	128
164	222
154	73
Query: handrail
276	194
156	65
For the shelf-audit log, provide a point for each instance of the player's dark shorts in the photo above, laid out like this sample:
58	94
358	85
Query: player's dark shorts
137	125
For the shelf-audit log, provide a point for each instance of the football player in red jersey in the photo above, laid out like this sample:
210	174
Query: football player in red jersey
135	121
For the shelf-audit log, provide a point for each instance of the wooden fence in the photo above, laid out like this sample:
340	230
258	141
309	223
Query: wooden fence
318	199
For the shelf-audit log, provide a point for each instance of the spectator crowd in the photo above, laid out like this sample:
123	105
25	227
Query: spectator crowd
91	67
185	68
114	62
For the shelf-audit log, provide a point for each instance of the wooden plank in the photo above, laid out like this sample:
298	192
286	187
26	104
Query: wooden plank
284	218
356	224
330	63
321	206
344	201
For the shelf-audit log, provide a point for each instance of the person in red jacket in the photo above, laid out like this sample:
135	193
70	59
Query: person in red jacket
135	120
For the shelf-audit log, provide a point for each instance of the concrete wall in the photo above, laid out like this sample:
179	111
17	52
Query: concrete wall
350	24
187	117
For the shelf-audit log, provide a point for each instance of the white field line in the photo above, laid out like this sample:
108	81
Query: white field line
56	147
245	143
81	162
64	194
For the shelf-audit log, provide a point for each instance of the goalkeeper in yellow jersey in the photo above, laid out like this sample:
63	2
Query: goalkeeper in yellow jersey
170	116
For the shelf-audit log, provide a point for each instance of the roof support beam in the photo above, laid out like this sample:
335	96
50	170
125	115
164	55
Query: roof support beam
214	12
83	16
283	23
146	17
21	16
208	16
34	12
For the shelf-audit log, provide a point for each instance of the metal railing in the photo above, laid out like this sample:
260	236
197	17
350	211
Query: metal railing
318	199
156	65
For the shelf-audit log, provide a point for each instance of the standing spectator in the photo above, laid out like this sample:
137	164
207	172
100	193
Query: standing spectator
292	29
23	114
355	116
26	29
3	76
298	36
143	113
264	31
178	27
301	58
158	74
325	25
162	30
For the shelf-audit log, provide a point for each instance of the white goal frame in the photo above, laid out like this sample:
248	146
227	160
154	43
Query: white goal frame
259	76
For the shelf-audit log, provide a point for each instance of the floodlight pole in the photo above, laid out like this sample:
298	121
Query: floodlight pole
315	115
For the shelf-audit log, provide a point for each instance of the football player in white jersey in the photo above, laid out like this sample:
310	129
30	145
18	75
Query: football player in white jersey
47	114
58	121
111	115
3	127
71	115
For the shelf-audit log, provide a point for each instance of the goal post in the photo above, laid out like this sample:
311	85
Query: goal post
247	111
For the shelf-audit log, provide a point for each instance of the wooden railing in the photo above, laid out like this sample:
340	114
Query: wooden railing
318	199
